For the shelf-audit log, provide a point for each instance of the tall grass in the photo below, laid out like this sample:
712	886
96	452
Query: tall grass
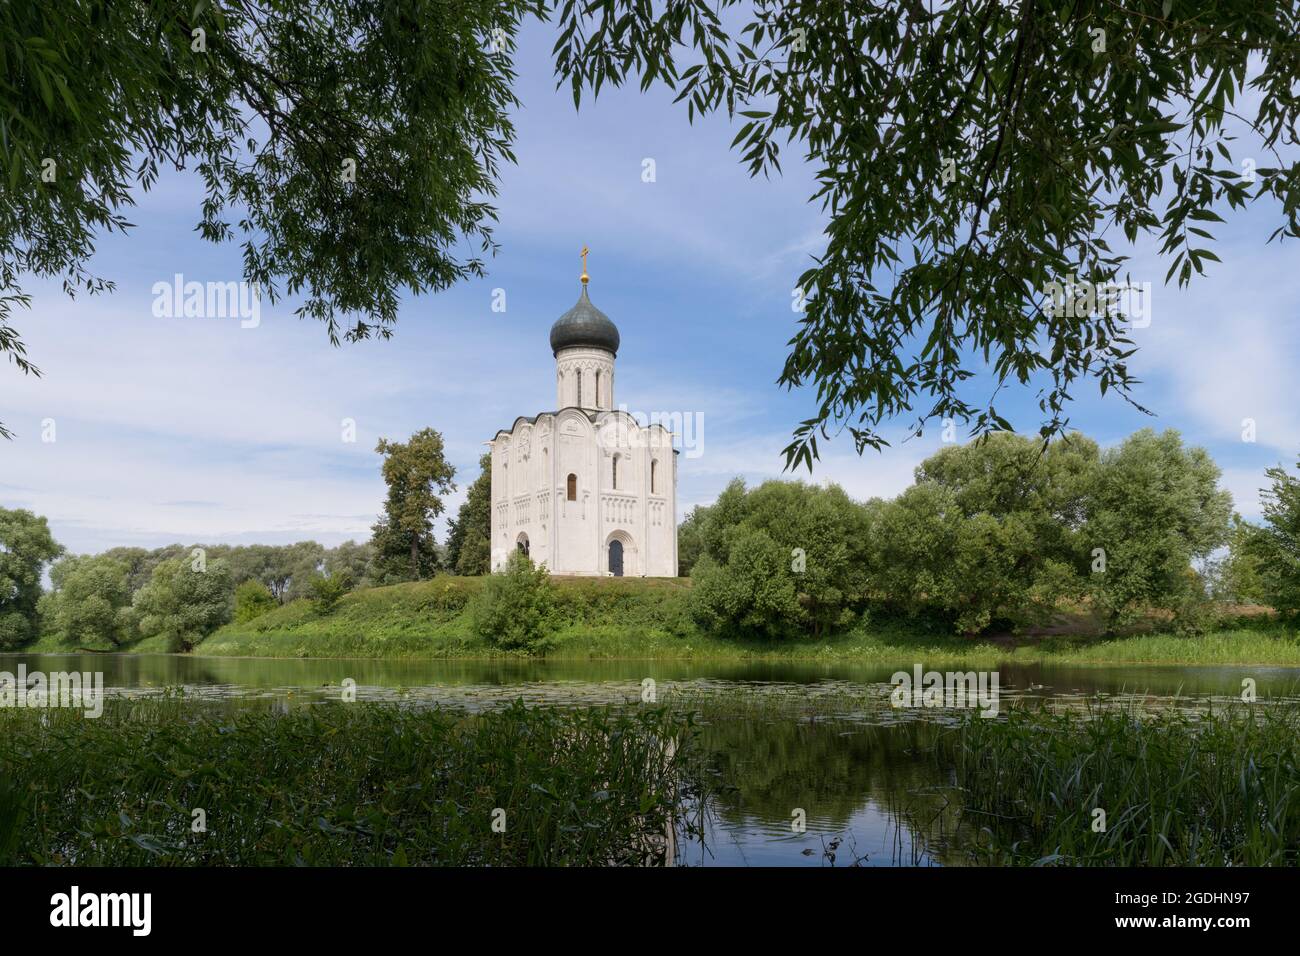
1215	789
360	784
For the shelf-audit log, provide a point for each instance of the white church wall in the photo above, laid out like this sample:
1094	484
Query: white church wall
532	462
574	364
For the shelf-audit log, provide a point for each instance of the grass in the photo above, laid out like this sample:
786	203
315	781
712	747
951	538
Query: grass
649	619
361	784
1214	789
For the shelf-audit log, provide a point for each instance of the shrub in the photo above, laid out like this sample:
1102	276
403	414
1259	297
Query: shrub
753	593
328	589
515	610
252	600
783	559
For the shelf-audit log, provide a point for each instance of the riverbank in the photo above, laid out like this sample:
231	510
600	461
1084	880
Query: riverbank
649	619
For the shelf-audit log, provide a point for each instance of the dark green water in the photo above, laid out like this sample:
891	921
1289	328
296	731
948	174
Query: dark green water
817	743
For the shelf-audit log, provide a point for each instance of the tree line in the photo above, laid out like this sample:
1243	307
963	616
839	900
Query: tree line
999	534
1003	533
184	592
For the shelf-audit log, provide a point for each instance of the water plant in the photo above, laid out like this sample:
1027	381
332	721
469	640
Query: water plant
171	782
1121	787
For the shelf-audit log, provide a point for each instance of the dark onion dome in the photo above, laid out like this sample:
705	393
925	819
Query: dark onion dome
584	326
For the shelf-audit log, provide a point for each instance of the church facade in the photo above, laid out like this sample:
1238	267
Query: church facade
585	489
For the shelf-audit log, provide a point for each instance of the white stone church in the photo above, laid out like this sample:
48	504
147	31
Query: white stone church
586	489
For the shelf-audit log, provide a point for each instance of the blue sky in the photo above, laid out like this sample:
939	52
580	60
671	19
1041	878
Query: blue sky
176	429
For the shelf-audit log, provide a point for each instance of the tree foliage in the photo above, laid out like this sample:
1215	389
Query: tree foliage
1266	558
26	546
184	604
90	601
989	531
780	559
1002	533
353	559
967	155
1155	510
328	589
469	537
252	600
273	104
417	475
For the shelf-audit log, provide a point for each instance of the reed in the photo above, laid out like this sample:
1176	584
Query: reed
359	784
1216	788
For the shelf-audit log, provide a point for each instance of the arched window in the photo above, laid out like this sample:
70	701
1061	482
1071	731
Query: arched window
654	466
597	399
578	372
615	484
573	488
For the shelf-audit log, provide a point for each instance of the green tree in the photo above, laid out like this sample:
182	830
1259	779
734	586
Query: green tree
353	559
515	609
690	541
26	546
469	535
140	562
955	188
184	604
797	553
1271	552
311	125
286	569
252	600
417	475
91	601
753	593
989	533
1154	511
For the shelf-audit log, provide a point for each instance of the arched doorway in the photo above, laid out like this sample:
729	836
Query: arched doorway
621	558
522	544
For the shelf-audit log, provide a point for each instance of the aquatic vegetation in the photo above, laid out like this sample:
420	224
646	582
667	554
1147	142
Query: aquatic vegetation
1122	787
170	782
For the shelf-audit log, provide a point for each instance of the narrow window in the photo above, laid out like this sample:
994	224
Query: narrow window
573	488
616	472
579	374
597	388
654	466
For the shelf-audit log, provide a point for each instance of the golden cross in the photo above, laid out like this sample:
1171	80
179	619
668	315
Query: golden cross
585	277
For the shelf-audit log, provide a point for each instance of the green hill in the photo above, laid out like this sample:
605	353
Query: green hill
613	617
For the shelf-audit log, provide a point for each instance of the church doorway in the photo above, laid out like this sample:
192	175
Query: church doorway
522	544
616	558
